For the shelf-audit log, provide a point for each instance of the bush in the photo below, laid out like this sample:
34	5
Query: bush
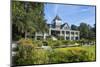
57	43
57	57
24	55
34	43
77	55
26	42
24	52
68	43
28	54
61	55
60	38
65	42
41	56
54	43
38	43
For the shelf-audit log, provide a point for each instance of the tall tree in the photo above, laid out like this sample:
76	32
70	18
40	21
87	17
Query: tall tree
92	32
84	29
26	18
18	15
94	28
74	27
87	31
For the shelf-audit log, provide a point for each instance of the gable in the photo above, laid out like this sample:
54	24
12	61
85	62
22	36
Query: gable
65	26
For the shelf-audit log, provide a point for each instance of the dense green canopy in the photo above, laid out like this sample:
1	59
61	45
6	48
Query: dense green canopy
27	17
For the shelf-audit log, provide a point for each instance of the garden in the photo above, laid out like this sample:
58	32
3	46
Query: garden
31	52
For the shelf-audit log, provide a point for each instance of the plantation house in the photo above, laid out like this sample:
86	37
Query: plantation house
59	30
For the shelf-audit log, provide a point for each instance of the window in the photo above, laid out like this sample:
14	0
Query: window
62	32
72	38
67	38
67	32
76	38
76	33
72	32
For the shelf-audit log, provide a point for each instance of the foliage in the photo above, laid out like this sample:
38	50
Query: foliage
54	43
25	42
72	54
38	43
83	30
26	52
41	56
74	27
24	55
58	43
60	37
87	31
28	55
27	18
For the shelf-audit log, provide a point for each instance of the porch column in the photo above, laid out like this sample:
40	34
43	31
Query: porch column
49	31
78	35
60	33
69	35
65	35
74	35
44	36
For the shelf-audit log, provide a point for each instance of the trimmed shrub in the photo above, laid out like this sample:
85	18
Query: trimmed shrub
26	42
62	55
24	52
35	43
54	43
24	55
38	43
41	56
45	43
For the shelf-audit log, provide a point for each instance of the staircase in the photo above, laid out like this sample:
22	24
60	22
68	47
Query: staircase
54	38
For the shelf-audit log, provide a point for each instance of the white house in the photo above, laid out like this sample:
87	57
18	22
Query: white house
57	29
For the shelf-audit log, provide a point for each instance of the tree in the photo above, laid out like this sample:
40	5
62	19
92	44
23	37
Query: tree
27	18
94	28
92	32
74	27
84	29
87	31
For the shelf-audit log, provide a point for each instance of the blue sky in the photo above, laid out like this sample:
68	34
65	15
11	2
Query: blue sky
72	14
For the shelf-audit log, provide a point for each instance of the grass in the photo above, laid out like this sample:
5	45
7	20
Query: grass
90	49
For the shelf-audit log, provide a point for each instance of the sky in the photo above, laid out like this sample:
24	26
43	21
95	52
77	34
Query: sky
71	14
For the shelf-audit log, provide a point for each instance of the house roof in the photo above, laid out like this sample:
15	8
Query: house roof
63	25
57	18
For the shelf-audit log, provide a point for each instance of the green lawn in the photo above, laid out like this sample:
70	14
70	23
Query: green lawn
90	49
